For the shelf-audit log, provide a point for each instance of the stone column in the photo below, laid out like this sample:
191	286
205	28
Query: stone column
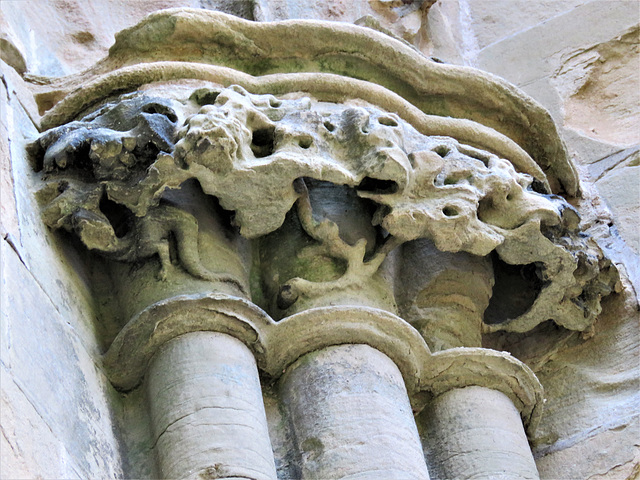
443	295
476	432
351	416
347	404
207	411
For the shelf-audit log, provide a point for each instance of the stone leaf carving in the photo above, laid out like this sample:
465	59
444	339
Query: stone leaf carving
250	150
104	177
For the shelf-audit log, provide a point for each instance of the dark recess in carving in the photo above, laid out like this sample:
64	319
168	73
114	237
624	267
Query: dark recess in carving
516	288
262	142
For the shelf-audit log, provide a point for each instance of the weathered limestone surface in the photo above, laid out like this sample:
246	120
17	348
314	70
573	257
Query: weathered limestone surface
605	411
580	62
50	384
57	406
589	82
257	153
588	77
351	416
206	409
444	296
620	186
492	22
77	33
23	227
473	432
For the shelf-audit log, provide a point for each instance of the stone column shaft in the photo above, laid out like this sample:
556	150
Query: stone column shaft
351	416
207	411
476	432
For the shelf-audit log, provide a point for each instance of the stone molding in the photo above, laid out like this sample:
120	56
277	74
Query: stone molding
276	345
154	50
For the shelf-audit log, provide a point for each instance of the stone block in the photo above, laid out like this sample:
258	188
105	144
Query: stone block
49	365
621	190
603	166
28	447
494	21
443	34
587	150
610	455
8	212
599	85
588	78
539	51
71	35
57	267
592	389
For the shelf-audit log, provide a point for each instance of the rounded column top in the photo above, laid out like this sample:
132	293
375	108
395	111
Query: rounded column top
276	345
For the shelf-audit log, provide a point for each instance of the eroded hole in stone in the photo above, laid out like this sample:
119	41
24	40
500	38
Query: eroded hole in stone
388	121
442	150
160	109
329	126
147	154
538	187
485	209
375	185
274	103
227	218
204	96
76	157
450	211
172	242
514	292
119	216
262	142
483	159
305	142
450	181
286	297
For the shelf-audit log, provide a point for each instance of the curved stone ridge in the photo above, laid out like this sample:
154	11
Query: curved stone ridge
249	151
276	345
313	46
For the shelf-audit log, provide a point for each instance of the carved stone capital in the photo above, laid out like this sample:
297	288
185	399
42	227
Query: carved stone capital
287	200
345	182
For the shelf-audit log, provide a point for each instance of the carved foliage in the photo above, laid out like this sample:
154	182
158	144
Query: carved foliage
105	176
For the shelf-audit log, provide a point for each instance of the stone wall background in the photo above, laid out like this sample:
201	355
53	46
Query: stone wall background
60	416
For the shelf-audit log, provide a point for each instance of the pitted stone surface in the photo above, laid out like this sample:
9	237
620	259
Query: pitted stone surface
591	382
106	176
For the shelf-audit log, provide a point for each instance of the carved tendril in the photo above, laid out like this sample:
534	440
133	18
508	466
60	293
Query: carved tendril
327	234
